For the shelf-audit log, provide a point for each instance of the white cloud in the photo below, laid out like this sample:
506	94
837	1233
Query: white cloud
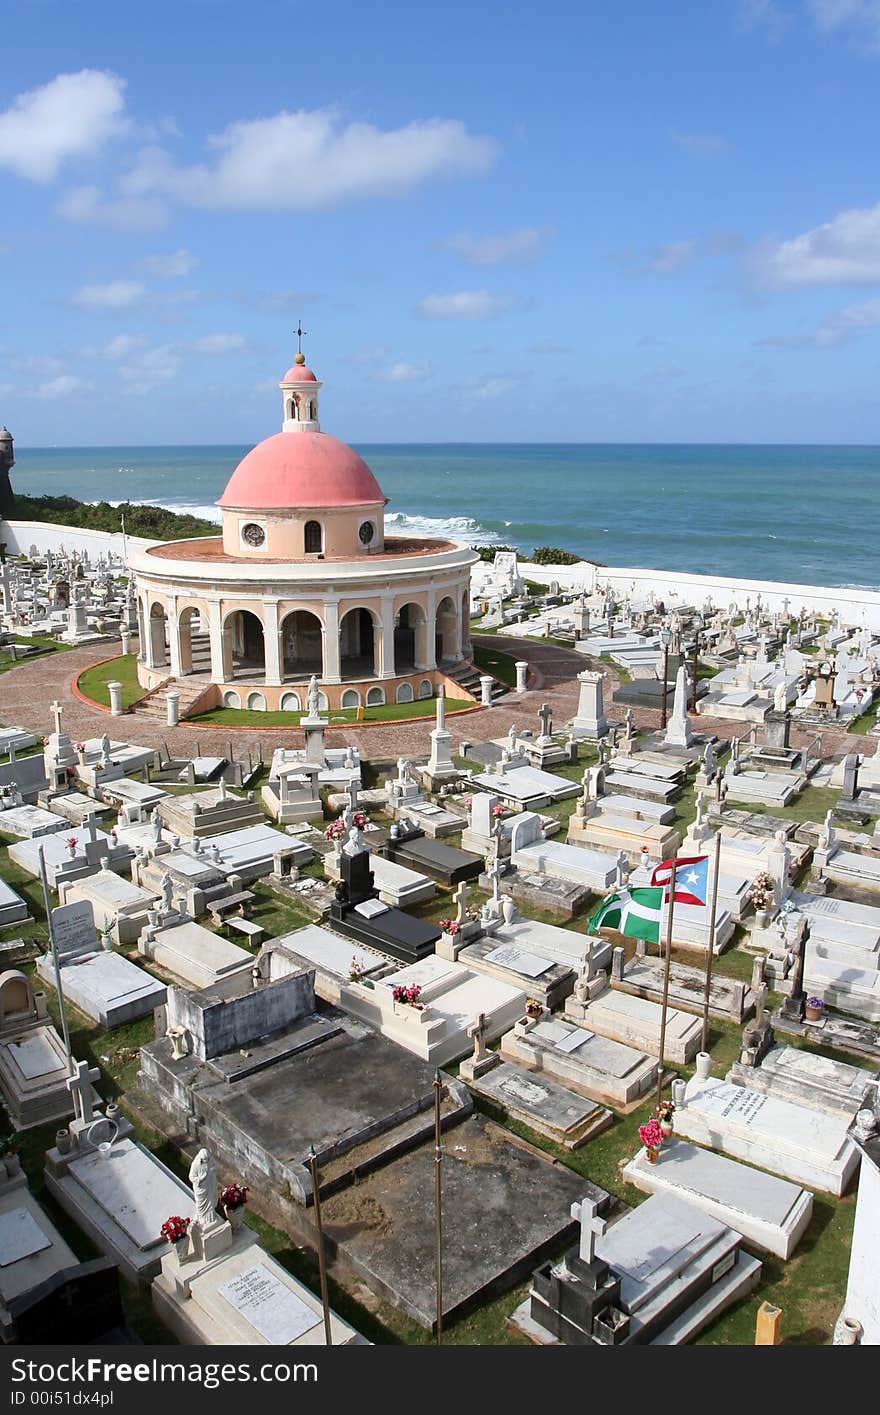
65	386
220	344
115	295
517	247
493	385
151	367
403	372
667	259
834	330
87	207
172	265
71	116
310	159
122	345
700	144
843	251
464	304
861	17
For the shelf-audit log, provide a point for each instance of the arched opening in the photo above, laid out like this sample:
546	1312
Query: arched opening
157	649
313	410
231	699
448	634
426	688
357	638
351	698
301	645
194	642
410	631
290	702
375	697
246	644
291	409
313	538
256	702
404	693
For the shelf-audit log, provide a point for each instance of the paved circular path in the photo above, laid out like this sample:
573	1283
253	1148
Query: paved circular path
27	690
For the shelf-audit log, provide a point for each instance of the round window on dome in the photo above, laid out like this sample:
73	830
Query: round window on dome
252	534
366	532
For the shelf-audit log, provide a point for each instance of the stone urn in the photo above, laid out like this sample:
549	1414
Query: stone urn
652	1154
63	1141
12	1163
762	918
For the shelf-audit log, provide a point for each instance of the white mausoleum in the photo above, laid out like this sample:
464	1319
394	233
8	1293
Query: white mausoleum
303	580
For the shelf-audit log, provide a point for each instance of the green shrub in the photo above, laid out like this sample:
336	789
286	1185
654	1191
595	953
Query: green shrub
151	522
551	555
488	552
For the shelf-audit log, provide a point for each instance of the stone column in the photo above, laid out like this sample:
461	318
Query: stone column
115	691
486	682
385	657
589	720
174	643
430	662
272	642
125	636
330	637
465	613
522	673
172	707
216	636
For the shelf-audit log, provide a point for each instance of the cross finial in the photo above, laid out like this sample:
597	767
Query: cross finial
299	331
591	1228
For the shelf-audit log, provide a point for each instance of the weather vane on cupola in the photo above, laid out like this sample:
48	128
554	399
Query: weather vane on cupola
299	332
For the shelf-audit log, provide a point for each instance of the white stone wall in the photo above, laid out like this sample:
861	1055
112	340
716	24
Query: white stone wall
21	535
863	1289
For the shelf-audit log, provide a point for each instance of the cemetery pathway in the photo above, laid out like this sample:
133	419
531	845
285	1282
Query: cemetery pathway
27	690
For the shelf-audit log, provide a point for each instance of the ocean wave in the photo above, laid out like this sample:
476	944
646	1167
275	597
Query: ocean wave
180	508
445	527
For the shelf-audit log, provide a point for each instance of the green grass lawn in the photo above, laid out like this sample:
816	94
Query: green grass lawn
92	682
42	644
388	712
864	722
500	665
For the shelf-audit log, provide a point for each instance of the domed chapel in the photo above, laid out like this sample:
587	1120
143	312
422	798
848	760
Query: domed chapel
303	580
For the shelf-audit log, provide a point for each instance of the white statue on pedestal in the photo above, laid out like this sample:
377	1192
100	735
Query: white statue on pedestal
203	1178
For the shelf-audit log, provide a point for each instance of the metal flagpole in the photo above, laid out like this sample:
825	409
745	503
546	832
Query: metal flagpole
58	988
319	1230
711	949
438	1215
666	977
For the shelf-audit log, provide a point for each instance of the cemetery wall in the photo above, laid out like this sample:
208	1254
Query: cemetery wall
677	587
863	1289
21	535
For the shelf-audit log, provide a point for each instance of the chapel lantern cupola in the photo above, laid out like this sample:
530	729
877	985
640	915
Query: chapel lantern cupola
299	394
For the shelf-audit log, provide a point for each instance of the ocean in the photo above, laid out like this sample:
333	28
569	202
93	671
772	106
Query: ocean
808	514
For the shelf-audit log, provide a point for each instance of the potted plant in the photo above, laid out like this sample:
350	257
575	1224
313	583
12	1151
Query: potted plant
534	1008
175	1230
449	926
233	1198
664	1113
761	895
72	843
814	1009
651	1137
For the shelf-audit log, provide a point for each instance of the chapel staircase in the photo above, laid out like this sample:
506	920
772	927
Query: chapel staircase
468	678
152	706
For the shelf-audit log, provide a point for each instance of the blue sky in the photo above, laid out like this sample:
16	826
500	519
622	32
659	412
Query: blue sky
497	221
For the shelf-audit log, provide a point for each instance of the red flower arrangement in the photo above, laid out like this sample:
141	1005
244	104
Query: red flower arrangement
409	996
449	926
72	842
360	820
651	1135
234	1196
335	831
497	811
175	1228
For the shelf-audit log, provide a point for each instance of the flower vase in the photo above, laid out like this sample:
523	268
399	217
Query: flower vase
12	1161
813	1014
762	918
181	1249
235	1215
651	1155
666	1128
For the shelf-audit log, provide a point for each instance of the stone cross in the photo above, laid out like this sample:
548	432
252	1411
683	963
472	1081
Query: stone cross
592	1228
57	710
91	824
477	1032
495	871
80	1087
353	793
760	1003
545	716
460	899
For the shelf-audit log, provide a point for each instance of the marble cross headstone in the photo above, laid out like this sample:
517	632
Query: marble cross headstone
592	1228
80	1087
477	1032
460	899
545	717
495	871
57	710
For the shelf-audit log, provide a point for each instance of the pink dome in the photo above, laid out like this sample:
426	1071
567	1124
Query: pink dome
293	469
299	374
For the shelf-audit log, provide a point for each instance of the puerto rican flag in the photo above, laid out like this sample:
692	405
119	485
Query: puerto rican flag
691	879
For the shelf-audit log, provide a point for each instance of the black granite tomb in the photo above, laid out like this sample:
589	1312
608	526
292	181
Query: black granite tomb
357	912
445	864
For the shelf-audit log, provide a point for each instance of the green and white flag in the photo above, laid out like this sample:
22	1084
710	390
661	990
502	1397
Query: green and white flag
635	912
